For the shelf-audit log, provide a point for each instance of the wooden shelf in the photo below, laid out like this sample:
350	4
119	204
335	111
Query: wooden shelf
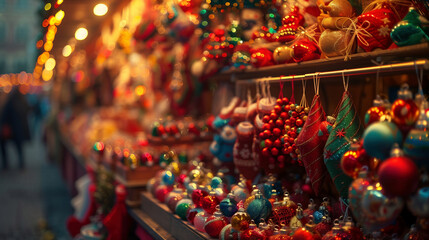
152	228
357	60
161	215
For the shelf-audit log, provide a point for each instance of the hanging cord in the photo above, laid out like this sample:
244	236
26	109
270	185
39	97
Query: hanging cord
281	90
292	97
303	102
258	96
269	91
316	83
345	212
419	78
345	82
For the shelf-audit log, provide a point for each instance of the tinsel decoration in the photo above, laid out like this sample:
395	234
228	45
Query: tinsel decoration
105	190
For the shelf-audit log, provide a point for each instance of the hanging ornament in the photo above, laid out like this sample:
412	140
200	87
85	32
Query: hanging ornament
378	210
229	233
192	212
259	208
356	191
228	206
376	112
350	231
354	159
411	30
311	142
416	145
210	202
200	220
404	111
379	138
243	157
346	127
198	196
398	167
182	208
215	223
418	203
240	220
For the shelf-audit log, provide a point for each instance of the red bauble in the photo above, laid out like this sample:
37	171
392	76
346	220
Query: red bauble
305	50
405	113
192	212
374	114
398	176
303	234
253	234
351	163
161	192
197	197
215	224
209	203
261	57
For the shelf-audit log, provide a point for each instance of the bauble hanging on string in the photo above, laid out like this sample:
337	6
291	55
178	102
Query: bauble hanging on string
379	138
354	159
398	167
416	145
418	203
376	112
405	112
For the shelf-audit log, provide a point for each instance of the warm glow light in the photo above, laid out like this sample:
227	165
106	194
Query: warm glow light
50	36
100	9
39	44
48	46
81	33
48	6
59	16
47	74
50	64
140	90
67	50
59	2
52	20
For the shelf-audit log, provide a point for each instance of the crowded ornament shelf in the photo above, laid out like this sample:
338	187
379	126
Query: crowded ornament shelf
358	60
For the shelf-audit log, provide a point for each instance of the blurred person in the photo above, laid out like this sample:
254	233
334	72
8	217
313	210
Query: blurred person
14	126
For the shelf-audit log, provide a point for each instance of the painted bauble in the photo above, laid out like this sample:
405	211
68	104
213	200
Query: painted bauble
379	138
283	54
398	176
418	203
356	190
334	42
374	114
353	160
215	224
416	145
162	191
240	191
240	220
172	201
228	233
304	234
182	208
404	113
197	197
378	210
253	233
200	220
228	206
192	212
259	208
209	203
305	50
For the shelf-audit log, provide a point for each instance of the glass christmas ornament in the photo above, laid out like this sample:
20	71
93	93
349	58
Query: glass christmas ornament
240	220
215	223
228	206
259	208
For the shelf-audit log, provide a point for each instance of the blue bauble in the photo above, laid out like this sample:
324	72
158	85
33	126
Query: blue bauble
259	208
168	178
317	216
379	138
228	207
416	146
419	203
216	182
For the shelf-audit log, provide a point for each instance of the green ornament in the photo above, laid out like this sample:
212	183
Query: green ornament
346	127
413	29
182	210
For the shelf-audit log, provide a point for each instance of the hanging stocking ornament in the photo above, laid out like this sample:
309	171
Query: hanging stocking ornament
243	157
346	127
311	142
